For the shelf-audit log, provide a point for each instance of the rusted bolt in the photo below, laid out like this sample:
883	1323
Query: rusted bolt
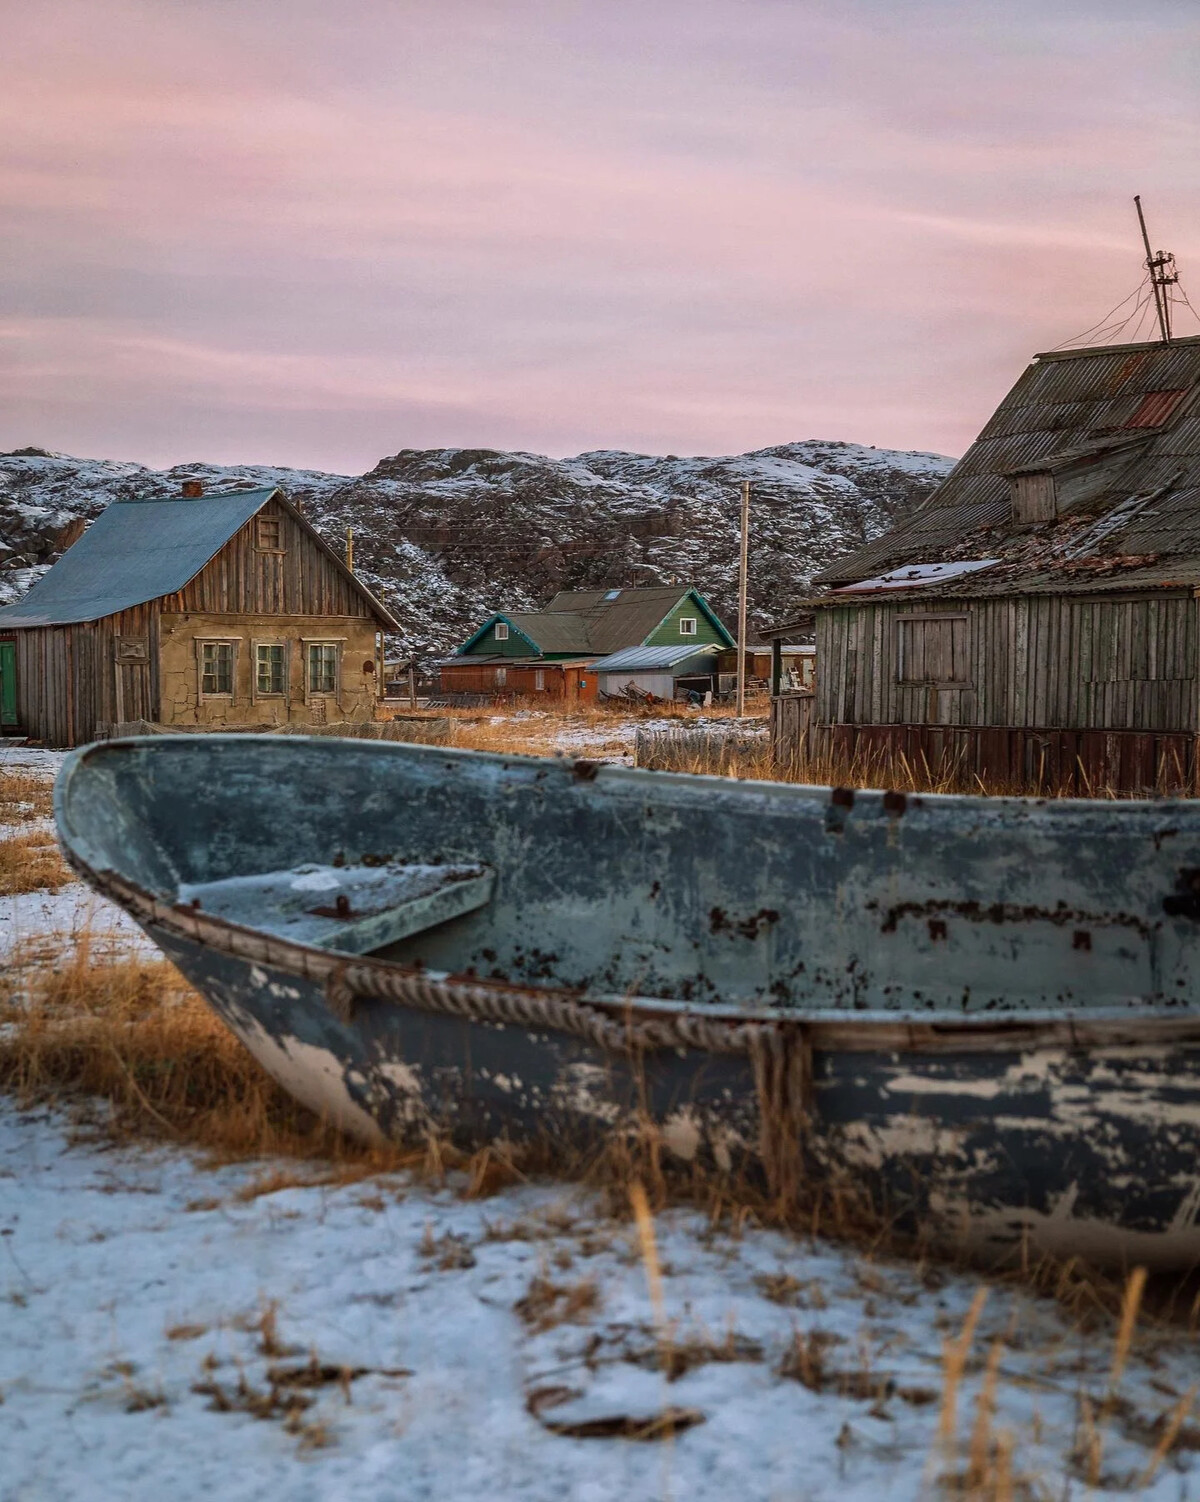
1082	939
937	928
842	797
894	803
585	771
341	905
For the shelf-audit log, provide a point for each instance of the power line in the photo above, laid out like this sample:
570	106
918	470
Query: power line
1104	322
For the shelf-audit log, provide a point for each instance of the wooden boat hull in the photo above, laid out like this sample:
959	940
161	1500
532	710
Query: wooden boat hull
1022	1125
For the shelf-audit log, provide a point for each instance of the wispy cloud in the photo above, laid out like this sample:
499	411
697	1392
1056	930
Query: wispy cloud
276	229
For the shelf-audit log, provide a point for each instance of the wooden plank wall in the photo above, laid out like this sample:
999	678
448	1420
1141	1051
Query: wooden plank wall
1047	661
301	579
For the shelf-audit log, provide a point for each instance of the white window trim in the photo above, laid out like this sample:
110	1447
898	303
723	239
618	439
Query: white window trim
501	630
539	680
687	625
501	677
270	641
311	694
217	641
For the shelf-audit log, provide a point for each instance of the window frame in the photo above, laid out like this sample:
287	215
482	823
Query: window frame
948	617
261	523
203	695
306	644
501	677
256	647
688	625
539	680
500	630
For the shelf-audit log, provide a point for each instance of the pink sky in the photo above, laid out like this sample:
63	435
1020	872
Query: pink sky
296	232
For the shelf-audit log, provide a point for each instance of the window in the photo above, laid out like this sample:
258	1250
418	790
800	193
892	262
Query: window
270	668
933	649
269	534
501	677
501	630
539	678
322	667
216	667
687	625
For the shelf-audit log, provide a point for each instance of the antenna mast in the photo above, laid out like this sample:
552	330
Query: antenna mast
1162	275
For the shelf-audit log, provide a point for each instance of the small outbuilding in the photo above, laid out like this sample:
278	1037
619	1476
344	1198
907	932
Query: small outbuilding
223	611
657	672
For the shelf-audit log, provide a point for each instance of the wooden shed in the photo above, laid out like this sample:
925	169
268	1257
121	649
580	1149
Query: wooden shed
1038	618
222	611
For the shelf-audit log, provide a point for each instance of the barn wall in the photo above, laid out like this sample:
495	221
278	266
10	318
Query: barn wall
1038	661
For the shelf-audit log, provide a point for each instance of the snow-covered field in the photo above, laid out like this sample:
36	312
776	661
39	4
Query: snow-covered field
173	1329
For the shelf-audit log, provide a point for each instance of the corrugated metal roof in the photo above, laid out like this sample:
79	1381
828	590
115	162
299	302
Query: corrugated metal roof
1065	400
138	550
649	659
133	552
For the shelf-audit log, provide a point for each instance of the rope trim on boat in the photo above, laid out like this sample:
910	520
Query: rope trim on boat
347	981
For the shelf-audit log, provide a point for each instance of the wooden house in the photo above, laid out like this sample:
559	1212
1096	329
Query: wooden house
1038	617
222	611
551	651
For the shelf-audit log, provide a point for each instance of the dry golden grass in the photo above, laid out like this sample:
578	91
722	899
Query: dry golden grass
31	862
876	770
130	1032
24	796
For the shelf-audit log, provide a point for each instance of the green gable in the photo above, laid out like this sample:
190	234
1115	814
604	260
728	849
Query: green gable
708	631
593	623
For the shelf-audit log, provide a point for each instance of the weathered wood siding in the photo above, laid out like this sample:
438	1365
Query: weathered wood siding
298	579
1043	661
71	680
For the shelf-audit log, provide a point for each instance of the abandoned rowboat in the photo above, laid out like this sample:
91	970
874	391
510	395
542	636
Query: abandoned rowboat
984	1014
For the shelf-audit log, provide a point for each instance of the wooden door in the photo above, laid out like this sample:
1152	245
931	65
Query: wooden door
8	684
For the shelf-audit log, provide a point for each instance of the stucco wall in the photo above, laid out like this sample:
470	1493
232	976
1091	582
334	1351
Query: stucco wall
180	671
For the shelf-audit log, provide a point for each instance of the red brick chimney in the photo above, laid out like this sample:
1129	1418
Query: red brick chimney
192	489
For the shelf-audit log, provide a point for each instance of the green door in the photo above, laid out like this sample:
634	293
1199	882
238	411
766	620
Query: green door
8	684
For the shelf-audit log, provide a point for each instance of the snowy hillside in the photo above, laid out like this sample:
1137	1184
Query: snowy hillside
447	535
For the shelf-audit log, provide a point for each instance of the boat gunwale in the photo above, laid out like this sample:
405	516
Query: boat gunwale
825	1030
828	1029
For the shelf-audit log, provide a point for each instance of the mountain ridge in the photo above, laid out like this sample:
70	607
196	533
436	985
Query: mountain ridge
446	536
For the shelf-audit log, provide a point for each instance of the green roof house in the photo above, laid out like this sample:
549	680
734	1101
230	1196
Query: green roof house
596	622
552	648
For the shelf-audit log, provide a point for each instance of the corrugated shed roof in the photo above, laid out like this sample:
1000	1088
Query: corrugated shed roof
1065	400
133	552
648	659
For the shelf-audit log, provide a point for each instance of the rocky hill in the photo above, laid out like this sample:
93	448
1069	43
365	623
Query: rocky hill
445	536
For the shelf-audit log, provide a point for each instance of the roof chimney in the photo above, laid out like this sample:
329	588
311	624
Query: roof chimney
192	489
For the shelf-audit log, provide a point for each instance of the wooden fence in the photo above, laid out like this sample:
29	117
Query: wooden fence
1072	762
737	752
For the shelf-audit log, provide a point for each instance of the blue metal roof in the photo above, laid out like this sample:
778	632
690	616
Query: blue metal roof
133	552
651	659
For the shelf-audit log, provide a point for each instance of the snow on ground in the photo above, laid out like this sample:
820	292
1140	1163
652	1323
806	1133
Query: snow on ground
164	1323
611	738
52	920
134	1283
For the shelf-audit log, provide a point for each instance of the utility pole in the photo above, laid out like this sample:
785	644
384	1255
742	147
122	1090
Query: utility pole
1162	275
350	548
741	678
